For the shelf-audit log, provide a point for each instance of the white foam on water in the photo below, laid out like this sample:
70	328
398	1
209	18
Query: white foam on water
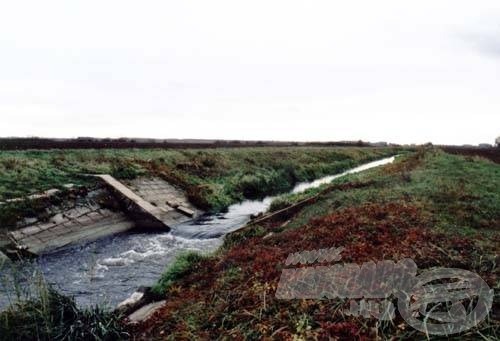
155	247
118	261
97	271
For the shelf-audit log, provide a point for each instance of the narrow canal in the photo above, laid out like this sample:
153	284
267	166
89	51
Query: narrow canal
107	271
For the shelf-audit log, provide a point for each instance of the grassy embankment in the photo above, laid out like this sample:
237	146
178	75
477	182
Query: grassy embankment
212	178
436	208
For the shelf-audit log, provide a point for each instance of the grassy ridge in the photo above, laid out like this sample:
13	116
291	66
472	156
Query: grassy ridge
438	209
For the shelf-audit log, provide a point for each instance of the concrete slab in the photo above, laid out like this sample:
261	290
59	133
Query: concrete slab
165	196
186	211
145	312
152	212
46	237
133	299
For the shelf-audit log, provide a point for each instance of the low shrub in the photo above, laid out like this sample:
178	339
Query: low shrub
210	197
259	184
125	170
184	264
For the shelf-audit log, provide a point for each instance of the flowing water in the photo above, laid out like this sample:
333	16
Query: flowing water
107	271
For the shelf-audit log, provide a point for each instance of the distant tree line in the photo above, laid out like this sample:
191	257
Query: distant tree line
16	143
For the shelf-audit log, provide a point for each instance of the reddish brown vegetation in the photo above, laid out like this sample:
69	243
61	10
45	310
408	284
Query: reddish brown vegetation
235	307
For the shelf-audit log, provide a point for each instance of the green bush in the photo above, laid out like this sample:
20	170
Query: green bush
209	197
125	170
259	184
184	264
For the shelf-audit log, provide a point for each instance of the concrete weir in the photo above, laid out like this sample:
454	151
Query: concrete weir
76	225
146	202
148	214
152	202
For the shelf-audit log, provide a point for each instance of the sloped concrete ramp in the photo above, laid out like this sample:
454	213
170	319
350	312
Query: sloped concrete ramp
174	204
152	202
151	215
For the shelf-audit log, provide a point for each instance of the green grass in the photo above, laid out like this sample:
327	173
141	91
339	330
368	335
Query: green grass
56	317
45	314
184	264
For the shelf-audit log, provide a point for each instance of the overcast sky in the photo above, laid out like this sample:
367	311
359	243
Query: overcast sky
400	71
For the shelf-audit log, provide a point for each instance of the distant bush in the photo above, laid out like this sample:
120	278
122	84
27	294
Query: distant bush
12	163
258	184
252	185
125	170
209	197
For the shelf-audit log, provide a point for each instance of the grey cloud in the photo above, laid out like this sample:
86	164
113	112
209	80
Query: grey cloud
485	42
